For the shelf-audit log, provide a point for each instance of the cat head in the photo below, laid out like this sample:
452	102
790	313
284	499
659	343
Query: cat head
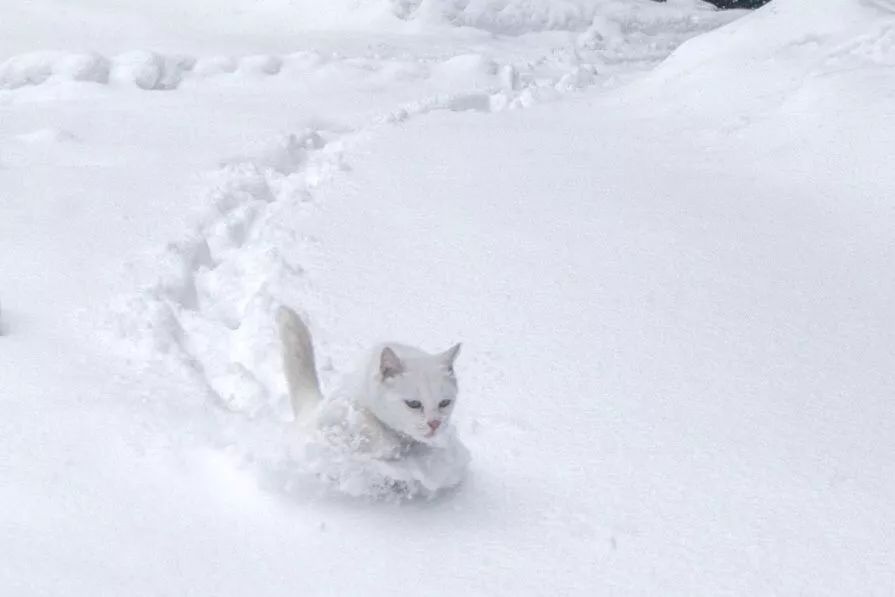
414	393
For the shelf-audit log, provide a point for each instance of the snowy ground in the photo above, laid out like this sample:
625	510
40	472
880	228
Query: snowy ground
672	282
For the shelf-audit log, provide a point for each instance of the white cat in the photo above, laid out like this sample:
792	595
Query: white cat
400	400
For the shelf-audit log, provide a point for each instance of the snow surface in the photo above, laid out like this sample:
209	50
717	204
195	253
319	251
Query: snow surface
673	284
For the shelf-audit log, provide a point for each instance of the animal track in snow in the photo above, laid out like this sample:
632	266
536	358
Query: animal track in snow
210	307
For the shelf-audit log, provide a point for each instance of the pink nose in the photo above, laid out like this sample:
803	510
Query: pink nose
433	425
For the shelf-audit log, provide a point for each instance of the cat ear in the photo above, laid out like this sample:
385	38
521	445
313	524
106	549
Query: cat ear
449	356
389	363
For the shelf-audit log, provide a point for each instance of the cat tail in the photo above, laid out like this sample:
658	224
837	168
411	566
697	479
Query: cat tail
298	361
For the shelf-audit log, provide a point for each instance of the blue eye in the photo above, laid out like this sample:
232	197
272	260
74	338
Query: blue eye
444	404
415	404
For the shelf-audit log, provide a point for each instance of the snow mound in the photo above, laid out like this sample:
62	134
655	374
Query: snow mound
147	70
35	68
756	63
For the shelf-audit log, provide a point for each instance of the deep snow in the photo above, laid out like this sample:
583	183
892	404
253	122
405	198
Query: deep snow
673	288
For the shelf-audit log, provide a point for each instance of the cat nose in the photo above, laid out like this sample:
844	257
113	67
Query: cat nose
433	425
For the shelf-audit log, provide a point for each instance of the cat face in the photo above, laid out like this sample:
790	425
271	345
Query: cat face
416	395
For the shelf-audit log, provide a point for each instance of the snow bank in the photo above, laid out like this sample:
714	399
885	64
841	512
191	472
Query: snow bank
754	64
612	35
147	70
200	27
515	17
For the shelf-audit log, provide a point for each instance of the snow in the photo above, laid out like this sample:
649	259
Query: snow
671	278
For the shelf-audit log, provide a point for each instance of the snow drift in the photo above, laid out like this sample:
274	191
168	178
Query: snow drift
771	55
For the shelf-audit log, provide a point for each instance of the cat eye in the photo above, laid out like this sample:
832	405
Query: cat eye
413	404
444	404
